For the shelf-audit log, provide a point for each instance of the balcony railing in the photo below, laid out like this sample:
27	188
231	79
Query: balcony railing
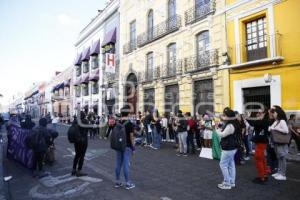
170	25
202	61
199	12
129	47
171	69
266	47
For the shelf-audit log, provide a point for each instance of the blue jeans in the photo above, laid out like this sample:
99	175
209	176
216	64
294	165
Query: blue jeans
247	144
156	138
148	135
227	166
123	159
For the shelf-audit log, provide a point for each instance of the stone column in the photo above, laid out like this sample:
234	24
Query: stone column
186	94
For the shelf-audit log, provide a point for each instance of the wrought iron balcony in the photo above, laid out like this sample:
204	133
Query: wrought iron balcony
171	69
170	25
202	61
199	12
129	47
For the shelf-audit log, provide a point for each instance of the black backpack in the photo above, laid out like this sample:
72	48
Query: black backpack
118	137
74	135
36	140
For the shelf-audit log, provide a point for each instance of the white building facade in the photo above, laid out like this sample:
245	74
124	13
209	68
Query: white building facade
94	87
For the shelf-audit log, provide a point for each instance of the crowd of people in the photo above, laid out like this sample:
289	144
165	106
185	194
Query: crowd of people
232	136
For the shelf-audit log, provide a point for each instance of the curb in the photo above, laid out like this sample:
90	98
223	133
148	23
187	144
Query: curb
3	185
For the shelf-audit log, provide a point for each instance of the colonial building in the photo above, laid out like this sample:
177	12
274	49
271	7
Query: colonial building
31	101
172	51
95	83
42	101
262	47
61	91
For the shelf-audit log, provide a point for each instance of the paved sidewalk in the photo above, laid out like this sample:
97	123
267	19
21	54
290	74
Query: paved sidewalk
157	174
3	185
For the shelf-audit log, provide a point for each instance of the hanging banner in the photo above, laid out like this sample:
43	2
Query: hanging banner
110	63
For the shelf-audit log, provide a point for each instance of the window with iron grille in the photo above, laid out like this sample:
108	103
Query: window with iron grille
78	91
86	66
172	13
172	99
256	39
149	99
202	8
203	45
85	89
95	62
95	87
256	97
133	34
78	70
171	62
149	70
150	24
203	96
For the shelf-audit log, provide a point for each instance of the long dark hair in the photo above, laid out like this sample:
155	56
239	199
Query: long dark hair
280	113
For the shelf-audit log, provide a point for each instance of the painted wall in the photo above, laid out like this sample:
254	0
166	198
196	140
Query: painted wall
283	14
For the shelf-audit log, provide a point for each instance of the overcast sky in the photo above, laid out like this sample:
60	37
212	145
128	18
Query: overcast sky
37	38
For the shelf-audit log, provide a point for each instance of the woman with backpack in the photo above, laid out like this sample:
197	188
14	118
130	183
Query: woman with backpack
281	148
229	146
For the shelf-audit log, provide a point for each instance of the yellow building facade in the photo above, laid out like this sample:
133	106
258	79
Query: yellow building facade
263	44
171	56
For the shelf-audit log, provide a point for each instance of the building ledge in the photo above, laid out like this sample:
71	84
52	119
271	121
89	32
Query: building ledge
253	63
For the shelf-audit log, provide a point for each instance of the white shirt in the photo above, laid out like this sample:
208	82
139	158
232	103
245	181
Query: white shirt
281	126
55	120
164	122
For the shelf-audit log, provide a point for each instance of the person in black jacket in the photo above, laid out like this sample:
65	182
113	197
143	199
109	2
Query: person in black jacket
27	123
81	144
229	146
182	127
260	121
41	139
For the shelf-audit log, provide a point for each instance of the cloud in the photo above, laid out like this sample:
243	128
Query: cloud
66	20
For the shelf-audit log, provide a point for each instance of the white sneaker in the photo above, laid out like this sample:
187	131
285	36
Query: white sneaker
247	158
224	186
232	185
275	175
280	177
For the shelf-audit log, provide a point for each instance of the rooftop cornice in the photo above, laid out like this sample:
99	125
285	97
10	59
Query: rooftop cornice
110	9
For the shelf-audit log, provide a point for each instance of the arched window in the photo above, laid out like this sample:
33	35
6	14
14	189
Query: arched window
150	22
171	56
203	46
149	68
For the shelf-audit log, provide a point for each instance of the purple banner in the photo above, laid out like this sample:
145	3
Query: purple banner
16	148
